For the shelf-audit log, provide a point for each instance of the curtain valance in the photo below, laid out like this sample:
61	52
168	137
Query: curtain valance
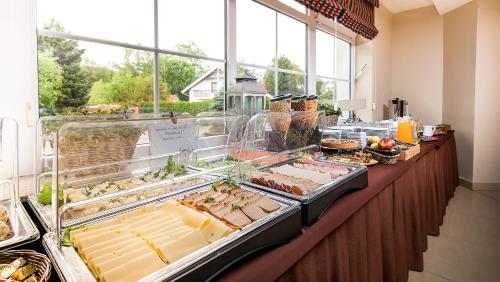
357	15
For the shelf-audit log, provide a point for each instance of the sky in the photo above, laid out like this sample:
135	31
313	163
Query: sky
184	21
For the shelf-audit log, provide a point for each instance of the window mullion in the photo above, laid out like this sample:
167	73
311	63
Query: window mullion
156	62
311	60
230	43
276	60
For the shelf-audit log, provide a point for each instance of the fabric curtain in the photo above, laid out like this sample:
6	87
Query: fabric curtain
357	15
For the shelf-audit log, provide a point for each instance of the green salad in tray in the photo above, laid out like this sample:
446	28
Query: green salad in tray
70	194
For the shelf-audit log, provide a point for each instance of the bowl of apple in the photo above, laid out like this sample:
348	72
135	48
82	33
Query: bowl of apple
383	150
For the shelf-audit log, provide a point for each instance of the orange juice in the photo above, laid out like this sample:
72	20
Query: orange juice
405	132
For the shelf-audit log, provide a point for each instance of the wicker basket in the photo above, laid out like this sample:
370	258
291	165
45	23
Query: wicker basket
327	121
39	261
383	158
97	147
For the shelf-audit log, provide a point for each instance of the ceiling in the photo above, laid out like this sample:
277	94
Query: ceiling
442	6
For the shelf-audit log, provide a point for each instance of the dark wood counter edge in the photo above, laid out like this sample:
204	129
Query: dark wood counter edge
272	264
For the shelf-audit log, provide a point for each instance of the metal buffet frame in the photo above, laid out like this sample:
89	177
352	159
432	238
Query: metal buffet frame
204	264
23	228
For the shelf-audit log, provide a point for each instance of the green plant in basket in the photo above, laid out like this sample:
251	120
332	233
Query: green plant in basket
329	109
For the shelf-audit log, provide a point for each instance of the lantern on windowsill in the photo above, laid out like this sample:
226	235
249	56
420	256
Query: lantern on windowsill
246	95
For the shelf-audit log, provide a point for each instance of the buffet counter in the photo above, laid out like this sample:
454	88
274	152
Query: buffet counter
376	234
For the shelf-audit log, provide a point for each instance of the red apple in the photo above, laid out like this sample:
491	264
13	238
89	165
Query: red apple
386	144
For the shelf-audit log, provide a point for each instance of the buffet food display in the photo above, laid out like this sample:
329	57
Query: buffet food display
159	154
188	235
153	237
153	198
293	174
315	184
356	158
156	198
16	227
5	227
299	176
148	198
228	202
341	144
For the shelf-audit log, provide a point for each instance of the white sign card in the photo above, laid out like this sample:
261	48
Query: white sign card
171	138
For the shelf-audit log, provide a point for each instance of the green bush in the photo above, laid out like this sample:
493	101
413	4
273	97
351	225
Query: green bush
193	108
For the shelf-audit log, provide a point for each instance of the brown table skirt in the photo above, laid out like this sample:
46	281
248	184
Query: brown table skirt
376	234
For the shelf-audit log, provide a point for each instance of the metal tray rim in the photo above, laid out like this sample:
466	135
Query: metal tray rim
30	233
39	212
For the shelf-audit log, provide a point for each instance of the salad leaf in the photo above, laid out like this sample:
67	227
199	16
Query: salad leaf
173	168
170	167
45	196
65	241
215	184
231	182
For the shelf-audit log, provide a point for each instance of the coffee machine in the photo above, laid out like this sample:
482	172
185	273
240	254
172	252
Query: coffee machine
399	108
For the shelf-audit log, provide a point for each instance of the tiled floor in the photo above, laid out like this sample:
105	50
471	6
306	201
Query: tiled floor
468	248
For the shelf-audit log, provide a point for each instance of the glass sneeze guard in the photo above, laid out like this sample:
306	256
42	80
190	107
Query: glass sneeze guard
96	158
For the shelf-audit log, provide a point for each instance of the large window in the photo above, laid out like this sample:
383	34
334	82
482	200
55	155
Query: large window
333	68
272	47
107	55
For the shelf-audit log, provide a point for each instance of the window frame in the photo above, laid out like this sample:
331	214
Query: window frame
335	78
275	68
311	20
155	50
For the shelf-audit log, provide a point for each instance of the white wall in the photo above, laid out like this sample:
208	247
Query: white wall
447	67
459	81
417	62
382	48
487	96
364	84
18	73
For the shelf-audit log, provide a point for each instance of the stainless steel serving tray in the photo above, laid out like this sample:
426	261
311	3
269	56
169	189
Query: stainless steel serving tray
44	213
315	203
23	228
206	263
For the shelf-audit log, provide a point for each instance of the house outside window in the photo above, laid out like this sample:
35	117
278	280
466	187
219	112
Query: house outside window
214	87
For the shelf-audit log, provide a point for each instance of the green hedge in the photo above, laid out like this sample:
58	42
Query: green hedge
180	106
